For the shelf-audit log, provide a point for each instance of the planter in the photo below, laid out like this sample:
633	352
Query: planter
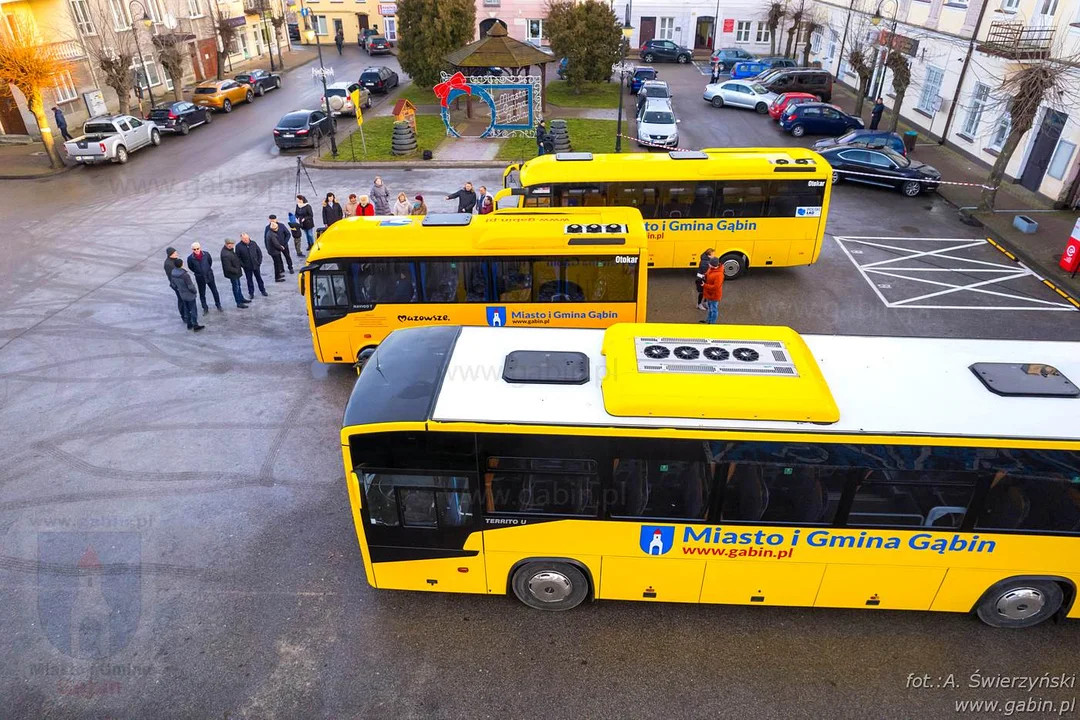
1025	224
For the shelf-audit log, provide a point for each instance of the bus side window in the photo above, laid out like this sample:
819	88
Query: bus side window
912	498
546	486
384	282
763	492
676	199
741	199
1019	502
328	290
786	196
579	195
660	479
637	195
600	279
513	280
419	501
538	197
449	281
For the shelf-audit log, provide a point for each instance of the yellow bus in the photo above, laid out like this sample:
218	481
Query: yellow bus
368	276
758	207
721	464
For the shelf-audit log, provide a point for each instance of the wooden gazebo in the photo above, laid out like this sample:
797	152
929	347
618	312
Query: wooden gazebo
497	49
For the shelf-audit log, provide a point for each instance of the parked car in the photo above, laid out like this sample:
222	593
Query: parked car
653	50
379	79
748	69
112	138
179	117
657	125
294	32
726	57
818	119
640	75
259	80
362	37
340	98
783	102
302	128
883	167
866	138
221	94
739	93
807	80
653	89
779	61
377	45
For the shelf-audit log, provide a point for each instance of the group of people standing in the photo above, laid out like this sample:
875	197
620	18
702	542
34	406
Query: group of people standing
236	261
376	202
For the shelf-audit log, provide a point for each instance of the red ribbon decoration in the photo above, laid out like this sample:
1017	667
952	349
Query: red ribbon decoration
456	82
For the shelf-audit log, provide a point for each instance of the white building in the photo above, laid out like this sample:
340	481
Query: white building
700	25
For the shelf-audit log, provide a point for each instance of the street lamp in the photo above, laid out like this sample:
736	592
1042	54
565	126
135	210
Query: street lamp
627	30
875	20
148	22
313	34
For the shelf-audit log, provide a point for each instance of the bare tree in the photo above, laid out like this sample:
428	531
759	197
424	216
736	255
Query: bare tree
901	79
773	17
279	22
113	51
812	23
32	66
795	14
226	34
864	69
171	53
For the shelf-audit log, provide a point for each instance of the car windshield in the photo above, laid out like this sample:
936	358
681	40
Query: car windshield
205	90
378	40
244	78
758	89
293	121
369	77
645	74
660	92
340	92
659	117
896	157
99	129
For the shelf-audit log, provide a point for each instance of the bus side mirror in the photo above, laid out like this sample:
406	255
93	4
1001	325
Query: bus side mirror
301	281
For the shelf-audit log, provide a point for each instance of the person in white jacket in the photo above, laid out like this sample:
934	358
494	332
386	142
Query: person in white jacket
402	206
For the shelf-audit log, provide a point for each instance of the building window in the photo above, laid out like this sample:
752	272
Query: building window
320	25
667	28
1001	131
764	35
1048	7
80	12
536	31
928	101
194	11
153	7
64	90
1059	163
979	98
742	31
1010	5
149	72
121	15
390	29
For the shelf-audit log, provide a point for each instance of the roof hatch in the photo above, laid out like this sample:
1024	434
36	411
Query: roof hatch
539	367
1024	380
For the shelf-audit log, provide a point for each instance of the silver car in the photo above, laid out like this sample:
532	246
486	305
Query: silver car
656	124
739	93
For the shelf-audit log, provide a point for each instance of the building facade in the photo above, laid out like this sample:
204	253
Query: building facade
328	17
699	24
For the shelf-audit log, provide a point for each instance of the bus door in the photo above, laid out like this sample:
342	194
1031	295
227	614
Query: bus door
329	298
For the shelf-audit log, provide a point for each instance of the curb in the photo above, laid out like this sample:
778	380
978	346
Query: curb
1026	260
40	176
404	164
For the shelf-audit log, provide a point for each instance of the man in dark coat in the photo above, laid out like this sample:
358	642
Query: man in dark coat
251	260
232	269
202	266
276	240
876	113
541	133
61	122
170	255
466	198
181	282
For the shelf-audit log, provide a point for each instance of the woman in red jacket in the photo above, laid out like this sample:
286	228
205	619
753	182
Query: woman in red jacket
364	207
713	290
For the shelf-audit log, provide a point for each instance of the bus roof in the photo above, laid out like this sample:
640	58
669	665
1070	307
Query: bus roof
920	387
516	230
711	164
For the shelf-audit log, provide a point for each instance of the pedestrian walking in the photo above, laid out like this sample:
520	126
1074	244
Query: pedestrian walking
466	198
170	255
541	133
364	208
251	260
339	40
380	196
306	217
876	112
402	206
715	77
276	241
202	266
350	206
699	279
419	207
61	122
297	233
232	269
181	282
713	290
331	210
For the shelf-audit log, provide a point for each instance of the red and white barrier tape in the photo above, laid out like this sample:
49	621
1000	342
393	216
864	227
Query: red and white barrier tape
650	144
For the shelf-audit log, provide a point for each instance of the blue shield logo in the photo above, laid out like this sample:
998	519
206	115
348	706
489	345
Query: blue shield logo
656	539
89	591
496	316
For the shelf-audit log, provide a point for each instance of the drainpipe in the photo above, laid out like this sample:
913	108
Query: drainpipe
843	41
963	72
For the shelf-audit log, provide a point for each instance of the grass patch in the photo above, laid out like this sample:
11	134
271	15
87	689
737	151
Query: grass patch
593	95
416	95
595	136
378	132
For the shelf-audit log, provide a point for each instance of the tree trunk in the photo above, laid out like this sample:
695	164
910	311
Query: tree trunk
806	53
123	96
860	95
772	39
37	108
178	86
997	172
277	41
790	41
897	104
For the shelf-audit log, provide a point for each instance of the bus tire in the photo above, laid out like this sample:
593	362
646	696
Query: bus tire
734	264
362	357
1020	603
546	585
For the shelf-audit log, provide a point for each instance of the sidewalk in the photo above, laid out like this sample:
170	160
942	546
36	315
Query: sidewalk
1040	250
18	162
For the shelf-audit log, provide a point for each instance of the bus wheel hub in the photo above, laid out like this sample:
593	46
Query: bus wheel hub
1020	603
550	586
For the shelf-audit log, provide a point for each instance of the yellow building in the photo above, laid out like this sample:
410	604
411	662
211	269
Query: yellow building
350	17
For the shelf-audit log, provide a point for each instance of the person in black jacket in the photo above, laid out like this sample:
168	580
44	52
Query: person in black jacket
202	265
466	198
306	218
170	255
699	279
181	282
232	269
331	210
276	240
251	260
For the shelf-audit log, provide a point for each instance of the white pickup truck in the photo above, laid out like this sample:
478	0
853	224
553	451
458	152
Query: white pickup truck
112	138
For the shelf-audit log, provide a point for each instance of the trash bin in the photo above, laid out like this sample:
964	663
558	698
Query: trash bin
909	139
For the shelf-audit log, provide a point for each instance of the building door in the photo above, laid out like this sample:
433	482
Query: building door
339	27
1045	142
363	20
486	25
648	30
11	120
703	34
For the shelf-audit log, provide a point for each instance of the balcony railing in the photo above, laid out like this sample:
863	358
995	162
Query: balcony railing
68	50
1018	41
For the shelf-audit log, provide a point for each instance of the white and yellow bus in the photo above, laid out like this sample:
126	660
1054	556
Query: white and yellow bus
721	464
369	276
758	207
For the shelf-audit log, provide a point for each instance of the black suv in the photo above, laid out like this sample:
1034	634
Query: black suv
259	80
179	117
303	128
379	79
807	80
654	50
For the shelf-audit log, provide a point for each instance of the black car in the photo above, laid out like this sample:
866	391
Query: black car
259	80
363	36
377	45
379	79
303	128
654	50
179	117
881	166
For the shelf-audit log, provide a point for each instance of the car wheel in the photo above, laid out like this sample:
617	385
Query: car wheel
260	90
250	97
184	129
209	117
227	106
911	188
121	154
1019	603
550	585
277	83
683	59
648	57
155	137
717	101
835	177
734	265
798	131
762	108
367	105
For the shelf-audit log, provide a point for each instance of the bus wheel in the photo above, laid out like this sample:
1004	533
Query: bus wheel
734	265
550	585
362	357
1019	603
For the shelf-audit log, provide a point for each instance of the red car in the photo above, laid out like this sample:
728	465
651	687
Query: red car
791	99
